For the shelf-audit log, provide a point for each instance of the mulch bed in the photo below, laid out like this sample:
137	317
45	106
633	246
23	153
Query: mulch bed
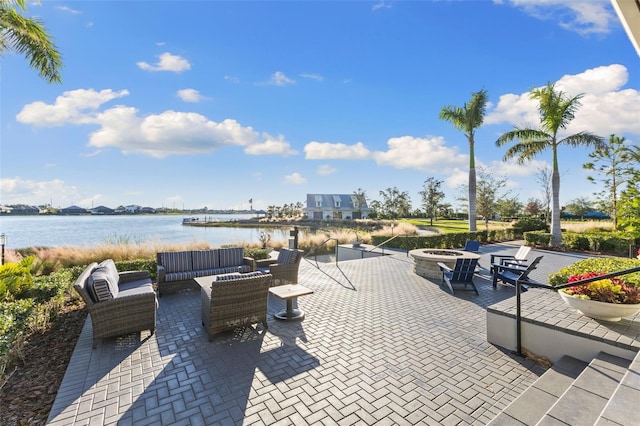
27	396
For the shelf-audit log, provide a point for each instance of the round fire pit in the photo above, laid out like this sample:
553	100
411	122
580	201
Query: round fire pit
426	260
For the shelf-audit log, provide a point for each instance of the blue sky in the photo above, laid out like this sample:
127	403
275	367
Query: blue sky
213	103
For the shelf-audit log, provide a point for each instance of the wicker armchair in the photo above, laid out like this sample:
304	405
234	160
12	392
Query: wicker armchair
134	309
284	269
231	303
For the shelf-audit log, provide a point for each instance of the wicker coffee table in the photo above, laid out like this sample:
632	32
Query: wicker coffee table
289	292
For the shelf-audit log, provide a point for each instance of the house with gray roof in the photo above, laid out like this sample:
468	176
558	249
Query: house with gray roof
336	207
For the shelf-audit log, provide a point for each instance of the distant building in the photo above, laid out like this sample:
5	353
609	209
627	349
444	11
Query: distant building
336	207
147	210
132	209
73	210
101	210
19	209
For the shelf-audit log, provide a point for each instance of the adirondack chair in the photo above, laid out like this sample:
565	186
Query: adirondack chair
461	273
518	259
509	274
472	246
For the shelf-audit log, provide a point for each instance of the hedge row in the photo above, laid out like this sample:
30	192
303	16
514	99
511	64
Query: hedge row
605	242
452	240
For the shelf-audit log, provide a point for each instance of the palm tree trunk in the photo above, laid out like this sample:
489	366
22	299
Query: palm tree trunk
472	199
556	232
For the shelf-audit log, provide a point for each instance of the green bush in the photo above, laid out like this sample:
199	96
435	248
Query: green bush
599	264
443	241
256	253
15	279
606	242
530	224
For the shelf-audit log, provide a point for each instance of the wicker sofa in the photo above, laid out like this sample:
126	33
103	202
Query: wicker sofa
234	300
178	269
284	269
118	302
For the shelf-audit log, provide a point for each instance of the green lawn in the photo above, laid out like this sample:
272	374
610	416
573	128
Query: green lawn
451	225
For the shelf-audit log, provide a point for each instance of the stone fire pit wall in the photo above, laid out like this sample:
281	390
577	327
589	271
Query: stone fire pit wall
426	260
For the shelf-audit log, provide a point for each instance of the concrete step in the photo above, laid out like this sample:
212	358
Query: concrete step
584	401
619	408
534	402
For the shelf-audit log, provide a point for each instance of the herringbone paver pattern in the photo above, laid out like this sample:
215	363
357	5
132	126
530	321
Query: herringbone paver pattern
379	345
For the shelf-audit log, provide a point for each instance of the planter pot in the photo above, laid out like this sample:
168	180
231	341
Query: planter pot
600	310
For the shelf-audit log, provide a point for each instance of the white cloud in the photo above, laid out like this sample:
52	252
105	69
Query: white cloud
155	135
428	154
582	17
335	151
605	107
325	170
279	79
382	4
167	62
20	191
73	106
190	95
271	146
295	179
316	77
68	10
232	79
511	169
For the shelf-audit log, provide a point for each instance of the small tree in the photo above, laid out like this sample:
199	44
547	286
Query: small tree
359	200
543	177
431	197
533	207
608	161
579	207
395	204
488	190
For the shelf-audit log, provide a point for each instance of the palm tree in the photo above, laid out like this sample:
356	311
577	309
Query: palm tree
467	119
28	36
556	112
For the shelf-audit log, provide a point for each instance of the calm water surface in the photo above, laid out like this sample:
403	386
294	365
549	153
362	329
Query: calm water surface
87	231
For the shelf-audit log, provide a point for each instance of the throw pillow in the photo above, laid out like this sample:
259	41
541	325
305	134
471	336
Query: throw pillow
101	286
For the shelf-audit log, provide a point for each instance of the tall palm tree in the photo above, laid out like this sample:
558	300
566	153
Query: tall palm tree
28	36
556	112
467	119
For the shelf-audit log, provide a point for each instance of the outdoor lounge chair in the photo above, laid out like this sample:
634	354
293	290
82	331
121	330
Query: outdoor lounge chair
518	259
462	273
472	246
509	274
234	300
284	269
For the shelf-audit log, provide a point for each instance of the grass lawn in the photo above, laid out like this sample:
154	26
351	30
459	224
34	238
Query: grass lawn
452	225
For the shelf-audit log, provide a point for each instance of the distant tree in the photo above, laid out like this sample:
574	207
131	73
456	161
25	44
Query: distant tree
508	206
609	161
431	197
395	204
360	200
543	177
376	209
556	112
533	207
29	37
489	189
445	210
579	207
467	119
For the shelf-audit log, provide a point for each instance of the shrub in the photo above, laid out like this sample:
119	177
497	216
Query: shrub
529	224
613	290
598	265
15	279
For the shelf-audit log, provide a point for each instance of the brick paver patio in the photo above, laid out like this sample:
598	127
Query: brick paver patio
379	345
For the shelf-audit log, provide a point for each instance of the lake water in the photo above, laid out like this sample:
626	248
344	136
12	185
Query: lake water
88	231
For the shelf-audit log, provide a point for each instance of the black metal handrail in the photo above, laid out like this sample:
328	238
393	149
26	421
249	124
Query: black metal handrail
315	248
381	245
529	283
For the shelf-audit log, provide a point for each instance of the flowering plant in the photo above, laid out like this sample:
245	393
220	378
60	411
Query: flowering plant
613	290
